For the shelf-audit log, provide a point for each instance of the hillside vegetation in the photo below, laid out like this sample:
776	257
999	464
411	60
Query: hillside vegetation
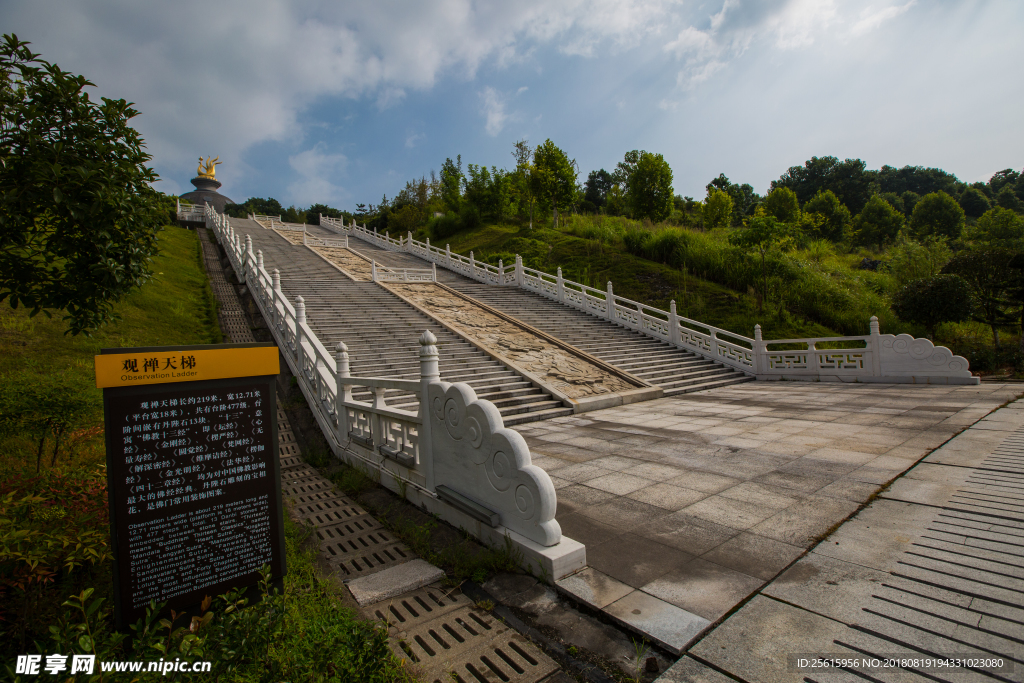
830	243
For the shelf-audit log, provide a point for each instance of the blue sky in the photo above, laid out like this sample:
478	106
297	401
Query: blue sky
341	103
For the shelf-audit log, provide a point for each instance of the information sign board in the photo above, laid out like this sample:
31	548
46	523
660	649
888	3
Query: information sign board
193	476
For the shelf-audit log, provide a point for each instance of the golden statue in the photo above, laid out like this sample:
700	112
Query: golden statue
210	169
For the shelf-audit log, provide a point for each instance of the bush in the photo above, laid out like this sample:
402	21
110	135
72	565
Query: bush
935	300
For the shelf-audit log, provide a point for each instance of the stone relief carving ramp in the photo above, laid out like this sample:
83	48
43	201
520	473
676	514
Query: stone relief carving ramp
578	379
381	329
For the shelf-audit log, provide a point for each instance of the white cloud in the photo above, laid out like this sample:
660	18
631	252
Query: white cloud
872	18
779	24
317	171
492	106
413	139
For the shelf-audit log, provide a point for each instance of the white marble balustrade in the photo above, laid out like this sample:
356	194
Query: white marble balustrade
454	447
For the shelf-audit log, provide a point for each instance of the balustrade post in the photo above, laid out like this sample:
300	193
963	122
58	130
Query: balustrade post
448	255
259	262
373	270
875	347
408	242
342	391
275	296
560	283
610	303
520	273
673	324
714	343
433	272
760	353
472	265
429	373
300	320
501	273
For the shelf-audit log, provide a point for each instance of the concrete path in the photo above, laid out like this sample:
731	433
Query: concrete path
688	505
933	567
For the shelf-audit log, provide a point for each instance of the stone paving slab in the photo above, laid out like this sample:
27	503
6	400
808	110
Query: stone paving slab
931	568
393	581
671	627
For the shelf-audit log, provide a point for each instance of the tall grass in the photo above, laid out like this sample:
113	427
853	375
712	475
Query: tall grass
813	283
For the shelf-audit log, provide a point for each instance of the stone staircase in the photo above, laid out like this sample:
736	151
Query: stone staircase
381	332
674	370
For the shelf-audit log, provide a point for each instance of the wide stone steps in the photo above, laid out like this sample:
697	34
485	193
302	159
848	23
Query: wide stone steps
382	332
672	369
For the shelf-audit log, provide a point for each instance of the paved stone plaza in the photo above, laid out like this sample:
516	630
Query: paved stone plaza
688	505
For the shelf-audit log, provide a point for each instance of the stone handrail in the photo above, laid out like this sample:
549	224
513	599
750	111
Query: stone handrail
452	454
873	358
383	274
312	241
190	212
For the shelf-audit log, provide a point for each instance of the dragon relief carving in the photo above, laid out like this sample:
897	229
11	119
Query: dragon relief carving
358	268
571	375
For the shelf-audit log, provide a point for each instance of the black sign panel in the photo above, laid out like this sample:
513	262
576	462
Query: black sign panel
195	490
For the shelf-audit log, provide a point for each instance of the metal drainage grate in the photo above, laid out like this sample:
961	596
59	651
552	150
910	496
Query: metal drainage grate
361	547
291	461
329	512
305	487
449	640
288	449
420	605
294	475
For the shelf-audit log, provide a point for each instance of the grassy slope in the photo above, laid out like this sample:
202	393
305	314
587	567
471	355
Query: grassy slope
176	307
635	278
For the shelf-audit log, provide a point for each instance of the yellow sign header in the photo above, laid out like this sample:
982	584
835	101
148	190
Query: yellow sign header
170	365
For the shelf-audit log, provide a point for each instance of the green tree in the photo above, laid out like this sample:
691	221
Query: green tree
847	179
911	260
910	200
597	186
988	273
744	199
1007	199
451	184
78	214
998	224
525	179
916	179
717	210
556	177
763	235
878	223
895	201
937	214
649	188
974	202
834	216
934	300
783	205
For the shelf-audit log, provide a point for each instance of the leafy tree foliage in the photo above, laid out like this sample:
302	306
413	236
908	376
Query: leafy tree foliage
1005	178
717	210
762	235
895	201
998	224
597	186
525	180
935	300
1007	199
937	214
555	177
988	273
910	200
834	216
744	199
79	216
916	179
255	205
911	260
649	188
847	179
314	212
451	184
974	202
783	205
878	223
